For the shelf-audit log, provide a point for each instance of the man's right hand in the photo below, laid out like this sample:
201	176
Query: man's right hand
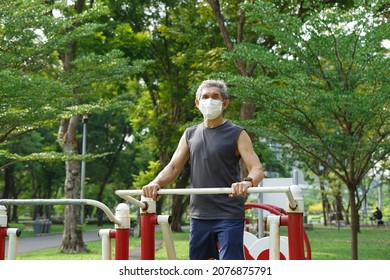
150	190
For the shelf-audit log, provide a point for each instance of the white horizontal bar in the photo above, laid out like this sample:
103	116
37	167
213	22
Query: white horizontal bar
207	191
126	194
91	202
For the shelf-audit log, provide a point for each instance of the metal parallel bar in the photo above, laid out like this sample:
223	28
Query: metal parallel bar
206	191
126	194
90	202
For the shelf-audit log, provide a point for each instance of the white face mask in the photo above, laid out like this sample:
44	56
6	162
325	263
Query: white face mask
210	108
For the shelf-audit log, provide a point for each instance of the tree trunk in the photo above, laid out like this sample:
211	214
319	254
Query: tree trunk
110	169
179	205
179	202
72	241
338	207
325	202
247	110
354	221
9	191
9	181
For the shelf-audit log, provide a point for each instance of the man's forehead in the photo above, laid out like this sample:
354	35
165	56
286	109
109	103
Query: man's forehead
211	90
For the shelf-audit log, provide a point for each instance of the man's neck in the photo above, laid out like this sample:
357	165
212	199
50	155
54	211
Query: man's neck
214	123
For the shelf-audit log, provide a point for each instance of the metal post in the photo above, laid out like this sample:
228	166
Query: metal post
260	215
165	222
295	177
104	235
84	151
3	234
122	232
13	236
274	237
295	226
148	222
295	236
3	230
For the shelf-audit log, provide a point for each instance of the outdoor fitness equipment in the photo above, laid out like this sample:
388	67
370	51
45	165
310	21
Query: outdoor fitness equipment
292	217
121	219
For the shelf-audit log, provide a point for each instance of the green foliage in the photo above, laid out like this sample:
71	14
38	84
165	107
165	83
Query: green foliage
327	87
48	156
144	177
42	82
320	87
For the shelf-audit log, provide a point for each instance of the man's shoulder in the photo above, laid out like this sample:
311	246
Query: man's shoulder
191	130
230	123
193	127
234	127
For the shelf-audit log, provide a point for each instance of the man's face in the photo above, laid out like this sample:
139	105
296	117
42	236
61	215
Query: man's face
212	92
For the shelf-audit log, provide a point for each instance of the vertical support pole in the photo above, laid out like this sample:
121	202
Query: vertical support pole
3	234
104	235
122	232
274	237
13	234
3	230
295	226
295	236
260	215
83	152
148	222
165	222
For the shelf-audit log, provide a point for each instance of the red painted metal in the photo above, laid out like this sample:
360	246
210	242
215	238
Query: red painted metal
296	231
112	233
271	208
3	234
148	222
295	236
122	236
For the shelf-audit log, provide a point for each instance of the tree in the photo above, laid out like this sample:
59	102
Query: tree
50	73
29	97
90	75
28	94
166	93
327	92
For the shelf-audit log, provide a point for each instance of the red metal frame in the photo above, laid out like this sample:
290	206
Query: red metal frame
297	236
148	222
121	243
3	234
294	221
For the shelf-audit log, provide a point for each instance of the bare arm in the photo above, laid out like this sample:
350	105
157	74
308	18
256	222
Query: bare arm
170	172
252	162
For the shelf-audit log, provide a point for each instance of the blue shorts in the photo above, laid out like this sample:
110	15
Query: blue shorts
217	239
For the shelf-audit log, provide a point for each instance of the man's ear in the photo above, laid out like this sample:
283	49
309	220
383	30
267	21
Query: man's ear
197	102
225	104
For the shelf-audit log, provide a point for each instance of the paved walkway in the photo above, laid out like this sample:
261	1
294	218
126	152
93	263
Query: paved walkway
42	242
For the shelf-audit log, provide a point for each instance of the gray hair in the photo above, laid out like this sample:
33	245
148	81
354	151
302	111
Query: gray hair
213	83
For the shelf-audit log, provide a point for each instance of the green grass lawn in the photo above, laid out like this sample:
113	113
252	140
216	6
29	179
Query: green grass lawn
335	244
327	243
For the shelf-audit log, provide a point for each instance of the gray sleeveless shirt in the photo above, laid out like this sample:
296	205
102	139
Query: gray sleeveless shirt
214	164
